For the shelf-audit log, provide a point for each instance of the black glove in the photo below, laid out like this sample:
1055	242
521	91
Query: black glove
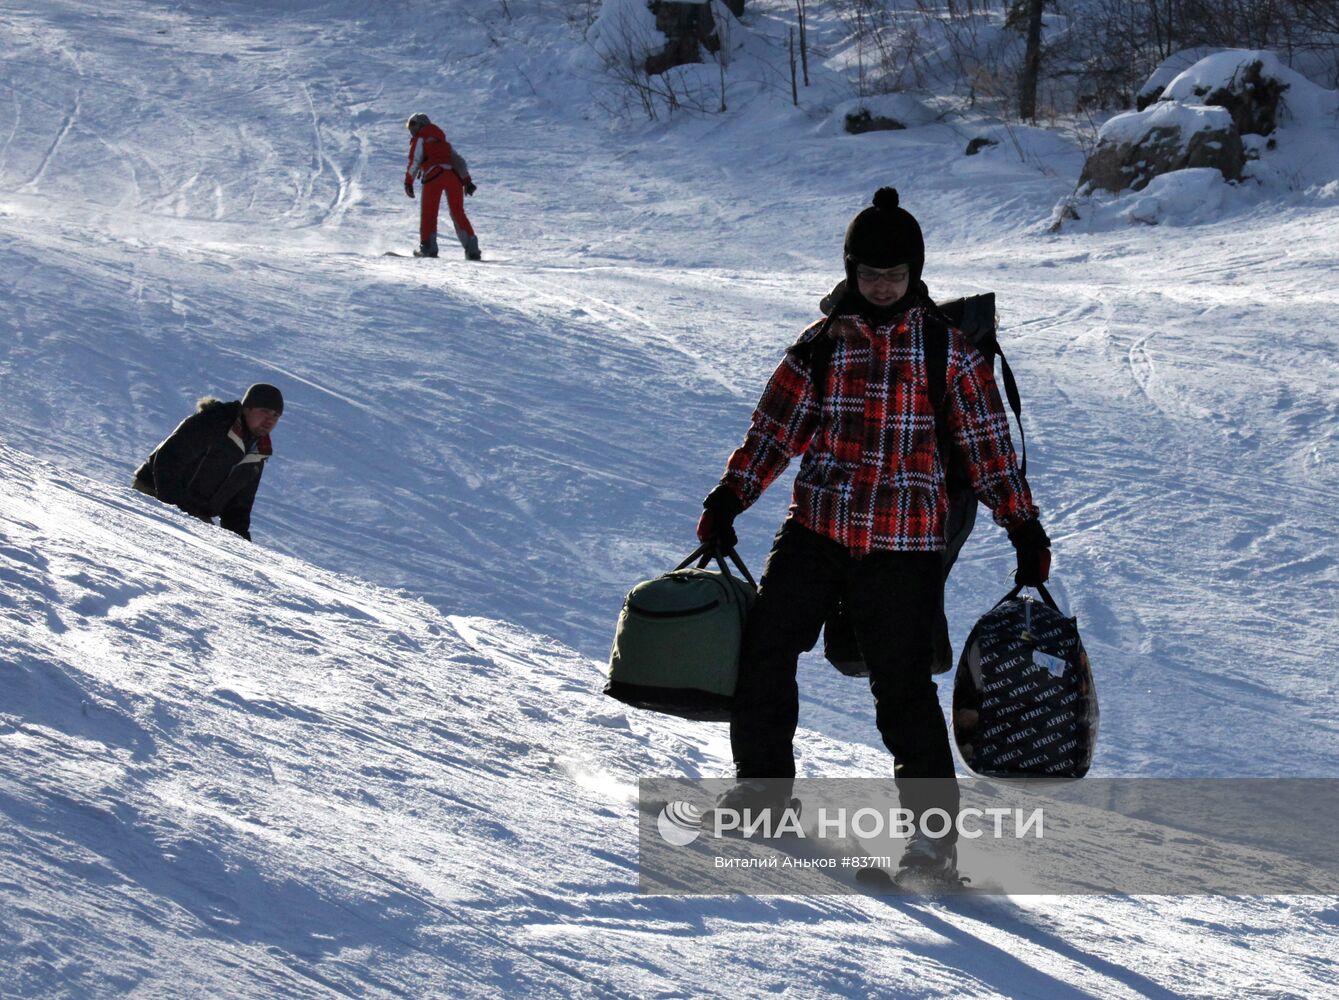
409	185
716	525
1034	553
470	187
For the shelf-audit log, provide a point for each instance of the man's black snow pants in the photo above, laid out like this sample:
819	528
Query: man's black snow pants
893	599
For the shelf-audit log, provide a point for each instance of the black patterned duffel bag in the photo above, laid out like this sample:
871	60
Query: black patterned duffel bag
1024	704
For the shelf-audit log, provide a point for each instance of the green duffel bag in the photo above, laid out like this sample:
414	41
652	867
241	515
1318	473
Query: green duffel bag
676	649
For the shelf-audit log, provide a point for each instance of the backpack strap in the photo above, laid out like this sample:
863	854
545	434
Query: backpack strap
934	335
1015	404
815	355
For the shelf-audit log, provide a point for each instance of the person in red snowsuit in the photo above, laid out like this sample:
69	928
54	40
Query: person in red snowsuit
442	170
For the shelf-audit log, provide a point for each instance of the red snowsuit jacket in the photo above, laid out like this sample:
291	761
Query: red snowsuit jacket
871	477
430	154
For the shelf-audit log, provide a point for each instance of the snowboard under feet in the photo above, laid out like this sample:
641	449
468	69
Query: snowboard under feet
481	260
912	881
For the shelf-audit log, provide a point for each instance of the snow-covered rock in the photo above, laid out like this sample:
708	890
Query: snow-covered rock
1250	85
1183	197
882	112
624	33
689	26
1168	70
1255	85
1134	148
1240	112
657	35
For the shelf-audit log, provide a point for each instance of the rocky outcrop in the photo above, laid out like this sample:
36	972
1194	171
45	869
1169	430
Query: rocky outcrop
859	122
1134	148
1170	68
1251	95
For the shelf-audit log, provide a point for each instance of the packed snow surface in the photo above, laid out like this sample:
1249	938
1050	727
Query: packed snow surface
367	754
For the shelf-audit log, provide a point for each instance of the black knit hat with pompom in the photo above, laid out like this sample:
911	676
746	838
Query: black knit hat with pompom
885	235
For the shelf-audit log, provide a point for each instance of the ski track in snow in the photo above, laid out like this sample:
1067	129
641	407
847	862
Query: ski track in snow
242	767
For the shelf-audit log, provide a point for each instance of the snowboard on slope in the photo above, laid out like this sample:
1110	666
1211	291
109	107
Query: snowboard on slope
482	260
911	881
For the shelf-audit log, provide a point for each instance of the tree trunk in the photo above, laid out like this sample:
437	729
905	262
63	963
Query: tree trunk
1027	94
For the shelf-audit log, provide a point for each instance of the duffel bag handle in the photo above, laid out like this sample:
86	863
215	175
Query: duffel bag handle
1039	588
704	553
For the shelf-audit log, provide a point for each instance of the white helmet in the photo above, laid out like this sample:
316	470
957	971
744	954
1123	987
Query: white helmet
417	121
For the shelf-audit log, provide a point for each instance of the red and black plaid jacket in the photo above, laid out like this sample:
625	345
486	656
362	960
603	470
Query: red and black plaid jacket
871	478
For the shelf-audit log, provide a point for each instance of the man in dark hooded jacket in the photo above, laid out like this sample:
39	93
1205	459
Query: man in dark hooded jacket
210	466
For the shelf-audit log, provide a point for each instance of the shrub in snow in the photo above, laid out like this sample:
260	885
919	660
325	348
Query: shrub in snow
1134	148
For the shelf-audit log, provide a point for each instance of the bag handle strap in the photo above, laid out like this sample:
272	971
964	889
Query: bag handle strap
1039	588
704	553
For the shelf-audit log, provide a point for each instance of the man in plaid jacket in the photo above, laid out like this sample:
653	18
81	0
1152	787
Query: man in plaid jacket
866	523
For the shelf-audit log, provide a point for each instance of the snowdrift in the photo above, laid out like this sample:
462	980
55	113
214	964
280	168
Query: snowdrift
218	758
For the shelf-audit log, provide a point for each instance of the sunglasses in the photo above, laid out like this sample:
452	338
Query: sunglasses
874	275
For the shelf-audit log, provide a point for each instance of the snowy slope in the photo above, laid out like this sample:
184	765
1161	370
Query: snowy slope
196	196
228	773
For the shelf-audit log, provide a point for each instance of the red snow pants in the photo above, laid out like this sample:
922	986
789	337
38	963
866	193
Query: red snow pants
447	182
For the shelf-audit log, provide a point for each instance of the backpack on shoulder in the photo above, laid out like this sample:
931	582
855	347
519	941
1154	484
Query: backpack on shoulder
1024	704
677	643
975	316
